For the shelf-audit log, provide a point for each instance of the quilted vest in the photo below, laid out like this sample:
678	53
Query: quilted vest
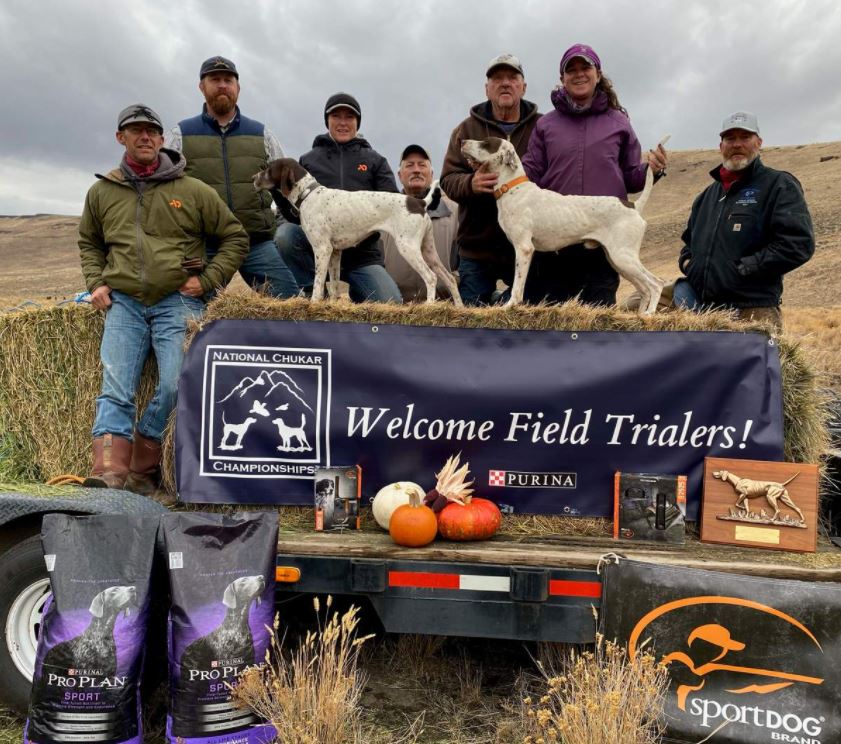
227	161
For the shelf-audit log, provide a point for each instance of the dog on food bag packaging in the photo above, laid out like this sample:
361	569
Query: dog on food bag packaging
222	578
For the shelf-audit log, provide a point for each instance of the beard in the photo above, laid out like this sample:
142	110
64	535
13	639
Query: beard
222	104
739	165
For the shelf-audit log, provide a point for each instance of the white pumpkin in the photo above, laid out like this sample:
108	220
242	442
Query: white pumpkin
389	497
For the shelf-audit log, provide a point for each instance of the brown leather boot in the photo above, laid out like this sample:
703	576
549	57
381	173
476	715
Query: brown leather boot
144	470
111	457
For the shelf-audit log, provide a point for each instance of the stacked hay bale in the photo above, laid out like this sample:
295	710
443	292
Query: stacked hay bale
50	373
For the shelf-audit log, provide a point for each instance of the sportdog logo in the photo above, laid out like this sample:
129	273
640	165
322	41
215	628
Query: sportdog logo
719	656
265	411
525	479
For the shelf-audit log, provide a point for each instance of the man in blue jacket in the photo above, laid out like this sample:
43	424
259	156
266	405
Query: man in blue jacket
340	159
225	149
745	231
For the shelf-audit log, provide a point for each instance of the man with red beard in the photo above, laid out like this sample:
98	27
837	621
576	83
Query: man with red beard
745	231
225	149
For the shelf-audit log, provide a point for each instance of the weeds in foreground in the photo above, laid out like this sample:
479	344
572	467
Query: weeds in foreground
597	696
311	695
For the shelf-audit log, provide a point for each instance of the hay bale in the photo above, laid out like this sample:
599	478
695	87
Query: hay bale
50	373
50	376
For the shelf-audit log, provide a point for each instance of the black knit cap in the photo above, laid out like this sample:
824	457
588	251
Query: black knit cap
343	100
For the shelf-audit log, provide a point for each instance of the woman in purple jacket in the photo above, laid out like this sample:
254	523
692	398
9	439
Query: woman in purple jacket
586	146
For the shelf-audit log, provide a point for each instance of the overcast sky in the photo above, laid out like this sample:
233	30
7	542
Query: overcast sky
69	66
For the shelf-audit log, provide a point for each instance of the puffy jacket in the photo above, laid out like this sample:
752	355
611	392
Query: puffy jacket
738	244
479	235
134	233
351	166
227	161
594	152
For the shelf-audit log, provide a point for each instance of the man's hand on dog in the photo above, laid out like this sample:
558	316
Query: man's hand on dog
100	297
483	182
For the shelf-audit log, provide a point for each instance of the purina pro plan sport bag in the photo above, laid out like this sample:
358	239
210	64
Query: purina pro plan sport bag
222	579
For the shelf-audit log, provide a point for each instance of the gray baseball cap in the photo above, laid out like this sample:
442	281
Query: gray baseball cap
504	60
740	120
138	113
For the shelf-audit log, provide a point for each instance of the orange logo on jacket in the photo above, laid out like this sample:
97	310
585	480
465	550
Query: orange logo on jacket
756	679
176	203
362	167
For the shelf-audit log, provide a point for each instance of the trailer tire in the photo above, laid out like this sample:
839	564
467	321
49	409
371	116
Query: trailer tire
24	587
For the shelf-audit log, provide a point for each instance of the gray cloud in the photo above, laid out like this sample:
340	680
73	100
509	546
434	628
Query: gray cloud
416	68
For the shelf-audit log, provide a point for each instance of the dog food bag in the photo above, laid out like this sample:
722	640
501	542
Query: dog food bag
222	579
86	686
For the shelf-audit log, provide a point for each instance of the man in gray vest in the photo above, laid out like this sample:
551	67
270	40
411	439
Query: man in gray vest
415	175
225	149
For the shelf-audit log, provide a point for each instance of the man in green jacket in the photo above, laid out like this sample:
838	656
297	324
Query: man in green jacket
142	242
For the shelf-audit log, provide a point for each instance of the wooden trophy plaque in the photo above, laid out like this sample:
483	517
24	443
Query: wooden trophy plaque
760	504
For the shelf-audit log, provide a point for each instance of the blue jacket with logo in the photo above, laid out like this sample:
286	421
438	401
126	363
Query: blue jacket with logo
738	244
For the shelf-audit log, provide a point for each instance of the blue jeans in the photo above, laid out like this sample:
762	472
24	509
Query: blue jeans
263	266
477	281
131	328
371	282
684	296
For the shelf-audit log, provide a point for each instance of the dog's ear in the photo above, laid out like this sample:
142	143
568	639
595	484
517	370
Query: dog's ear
97	605
510	158
229	598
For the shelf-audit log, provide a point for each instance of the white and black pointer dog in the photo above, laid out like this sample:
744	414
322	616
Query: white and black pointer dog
333	220
536	219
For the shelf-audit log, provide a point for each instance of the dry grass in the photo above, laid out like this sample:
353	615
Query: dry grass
818	331
311	695
595	696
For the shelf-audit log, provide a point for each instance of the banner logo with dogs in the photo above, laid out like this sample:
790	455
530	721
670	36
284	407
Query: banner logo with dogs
266	411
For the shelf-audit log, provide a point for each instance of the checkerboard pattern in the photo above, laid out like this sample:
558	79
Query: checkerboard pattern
496	477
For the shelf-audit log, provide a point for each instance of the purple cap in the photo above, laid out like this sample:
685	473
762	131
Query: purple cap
583	51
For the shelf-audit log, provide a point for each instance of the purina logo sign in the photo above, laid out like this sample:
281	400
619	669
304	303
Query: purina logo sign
266	411
524	479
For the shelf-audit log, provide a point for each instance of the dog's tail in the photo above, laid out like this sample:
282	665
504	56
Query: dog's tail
642	200
303	420
433	197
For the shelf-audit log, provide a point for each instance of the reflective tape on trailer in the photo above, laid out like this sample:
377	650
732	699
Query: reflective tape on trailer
485	583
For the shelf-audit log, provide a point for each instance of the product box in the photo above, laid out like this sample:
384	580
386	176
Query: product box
649	506
337	496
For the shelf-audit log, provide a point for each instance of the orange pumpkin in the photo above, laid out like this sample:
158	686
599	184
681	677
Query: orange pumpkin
413	525
475	519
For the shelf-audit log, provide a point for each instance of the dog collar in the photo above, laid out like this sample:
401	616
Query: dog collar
307	191
506	187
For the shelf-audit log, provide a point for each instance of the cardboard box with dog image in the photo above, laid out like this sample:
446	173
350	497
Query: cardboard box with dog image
337	495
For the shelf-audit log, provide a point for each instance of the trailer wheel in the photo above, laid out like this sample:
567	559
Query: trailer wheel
24	587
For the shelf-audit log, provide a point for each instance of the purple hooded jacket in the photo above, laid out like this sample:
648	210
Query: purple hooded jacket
594	152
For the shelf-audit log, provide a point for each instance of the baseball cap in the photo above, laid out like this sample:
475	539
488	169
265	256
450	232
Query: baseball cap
580	50
218	64
409	149
343	100
136	113
504	60
740	120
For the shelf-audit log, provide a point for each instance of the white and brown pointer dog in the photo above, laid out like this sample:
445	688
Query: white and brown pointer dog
333	220
536	219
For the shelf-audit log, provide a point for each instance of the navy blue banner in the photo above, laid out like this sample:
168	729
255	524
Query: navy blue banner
545	418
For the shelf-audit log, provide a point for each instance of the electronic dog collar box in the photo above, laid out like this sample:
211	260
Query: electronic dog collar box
337	496
649	506
760	504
